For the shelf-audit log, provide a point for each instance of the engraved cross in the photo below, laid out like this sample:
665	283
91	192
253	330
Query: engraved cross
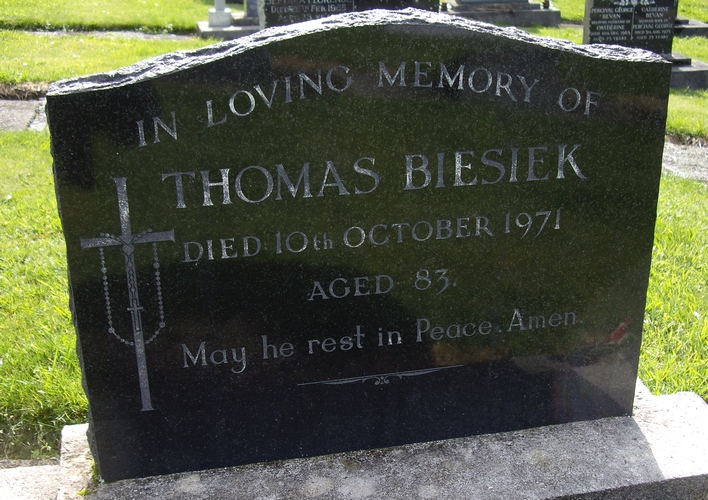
128	240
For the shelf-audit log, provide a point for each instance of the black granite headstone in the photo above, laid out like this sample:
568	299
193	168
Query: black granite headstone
647	24
374	229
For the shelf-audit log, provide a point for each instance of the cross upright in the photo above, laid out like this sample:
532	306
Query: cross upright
128	240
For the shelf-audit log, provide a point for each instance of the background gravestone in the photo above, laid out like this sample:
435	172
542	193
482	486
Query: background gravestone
375	229
647	24
251	8
282	12
506	12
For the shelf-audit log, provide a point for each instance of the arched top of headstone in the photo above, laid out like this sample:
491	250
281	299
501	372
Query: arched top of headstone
407	18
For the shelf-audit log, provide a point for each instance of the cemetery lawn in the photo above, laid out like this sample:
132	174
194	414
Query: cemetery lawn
675	344
694	9
40	380
166	16
45	57
688	114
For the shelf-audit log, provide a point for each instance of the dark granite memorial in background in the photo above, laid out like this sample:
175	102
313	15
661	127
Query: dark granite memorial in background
373	229
647	24
506	12
283	12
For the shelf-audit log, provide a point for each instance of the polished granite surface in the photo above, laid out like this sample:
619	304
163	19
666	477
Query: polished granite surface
369	230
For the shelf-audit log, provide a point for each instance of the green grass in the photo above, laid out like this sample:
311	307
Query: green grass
147	15
688	113
573	11
695	47
40	388
675	345
29	57
694	9
40	381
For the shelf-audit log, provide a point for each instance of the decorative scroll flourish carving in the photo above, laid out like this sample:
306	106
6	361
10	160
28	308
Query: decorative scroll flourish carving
381	378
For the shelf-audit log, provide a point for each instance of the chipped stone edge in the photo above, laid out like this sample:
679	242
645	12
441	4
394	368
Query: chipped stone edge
181	60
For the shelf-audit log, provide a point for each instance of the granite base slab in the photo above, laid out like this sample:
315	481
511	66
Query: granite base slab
225	32
32	482
660	452
690	27
76	463
692	76
16	115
